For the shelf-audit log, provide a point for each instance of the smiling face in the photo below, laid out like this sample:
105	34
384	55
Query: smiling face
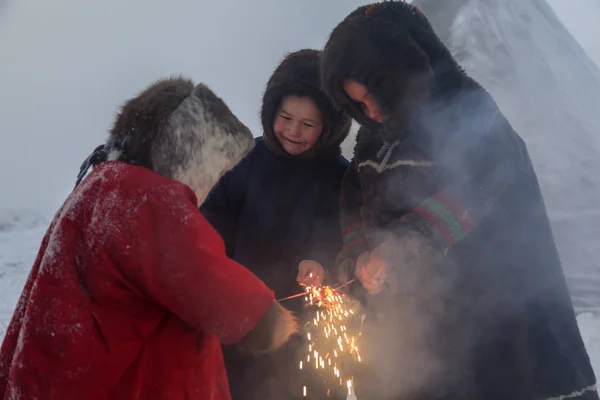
359	93
298	124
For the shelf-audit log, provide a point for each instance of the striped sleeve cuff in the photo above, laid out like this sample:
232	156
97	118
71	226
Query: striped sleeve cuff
354	236
444	214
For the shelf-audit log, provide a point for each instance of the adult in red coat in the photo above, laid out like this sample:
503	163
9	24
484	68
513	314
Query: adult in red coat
131	294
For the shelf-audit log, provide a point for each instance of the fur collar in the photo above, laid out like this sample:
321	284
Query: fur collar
181	131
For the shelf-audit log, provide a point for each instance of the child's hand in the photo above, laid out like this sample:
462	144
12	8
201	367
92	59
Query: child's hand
362	261
361	265
371	270
310	273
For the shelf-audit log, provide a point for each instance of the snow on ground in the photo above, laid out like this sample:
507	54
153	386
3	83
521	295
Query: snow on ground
589	324
21	234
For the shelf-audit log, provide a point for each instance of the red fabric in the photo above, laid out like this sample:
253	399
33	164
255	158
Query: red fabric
129	298
434	221
459	212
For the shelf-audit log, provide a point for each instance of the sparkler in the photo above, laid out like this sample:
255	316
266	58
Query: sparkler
332	337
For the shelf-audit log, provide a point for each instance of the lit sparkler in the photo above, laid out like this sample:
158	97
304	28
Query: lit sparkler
332	336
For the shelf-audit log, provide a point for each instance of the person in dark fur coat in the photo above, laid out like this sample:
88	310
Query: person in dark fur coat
131	293
445	226
278	211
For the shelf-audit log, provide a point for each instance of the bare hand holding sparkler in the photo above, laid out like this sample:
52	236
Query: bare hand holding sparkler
332	332
310	273
371	269
332	327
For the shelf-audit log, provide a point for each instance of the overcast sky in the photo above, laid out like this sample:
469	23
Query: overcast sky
66	66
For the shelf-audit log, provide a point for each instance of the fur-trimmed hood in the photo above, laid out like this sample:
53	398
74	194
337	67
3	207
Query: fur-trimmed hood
392	49
299	74
181	131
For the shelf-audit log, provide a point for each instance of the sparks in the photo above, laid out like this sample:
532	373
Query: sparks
333	333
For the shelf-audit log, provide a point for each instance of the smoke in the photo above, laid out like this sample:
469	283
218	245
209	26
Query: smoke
547	87
444	310
435	328
417	336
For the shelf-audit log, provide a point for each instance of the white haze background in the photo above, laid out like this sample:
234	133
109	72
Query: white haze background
67	66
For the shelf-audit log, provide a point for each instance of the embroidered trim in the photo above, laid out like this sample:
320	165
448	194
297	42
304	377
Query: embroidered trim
380	168
354	236
445	214
462	215
361	240
575	394
351	228
430	218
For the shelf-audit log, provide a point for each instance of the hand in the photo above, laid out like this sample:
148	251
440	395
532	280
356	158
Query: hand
362	261
310	273
371	269
345	267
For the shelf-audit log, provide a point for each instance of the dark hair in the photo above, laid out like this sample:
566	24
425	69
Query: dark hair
367	51
391	48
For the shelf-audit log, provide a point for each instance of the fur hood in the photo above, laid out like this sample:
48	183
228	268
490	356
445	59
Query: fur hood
392	49
181	131
299	74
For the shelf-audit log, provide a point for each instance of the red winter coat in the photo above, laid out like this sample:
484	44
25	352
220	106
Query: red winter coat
130	296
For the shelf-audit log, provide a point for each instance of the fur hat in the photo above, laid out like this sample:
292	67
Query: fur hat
181	131
391	48
299	74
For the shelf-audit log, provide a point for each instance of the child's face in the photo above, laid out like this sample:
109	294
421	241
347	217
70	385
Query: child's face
298	124
359	93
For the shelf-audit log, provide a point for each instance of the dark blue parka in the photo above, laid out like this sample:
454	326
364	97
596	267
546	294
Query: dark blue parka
275	210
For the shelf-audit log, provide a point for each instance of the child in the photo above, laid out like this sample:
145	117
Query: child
278	210
469	300
131	292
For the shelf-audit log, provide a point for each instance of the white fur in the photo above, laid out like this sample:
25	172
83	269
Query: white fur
198	147
285	326
575	394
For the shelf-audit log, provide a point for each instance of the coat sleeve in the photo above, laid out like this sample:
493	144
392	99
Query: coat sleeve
172	255
354	240
326	239
476	170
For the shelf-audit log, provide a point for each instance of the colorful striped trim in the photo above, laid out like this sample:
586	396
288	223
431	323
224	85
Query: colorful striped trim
353	236
445	214
359	241
352	228
457	210
435	222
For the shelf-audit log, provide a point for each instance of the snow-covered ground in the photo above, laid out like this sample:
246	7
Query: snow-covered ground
546	84
21	233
